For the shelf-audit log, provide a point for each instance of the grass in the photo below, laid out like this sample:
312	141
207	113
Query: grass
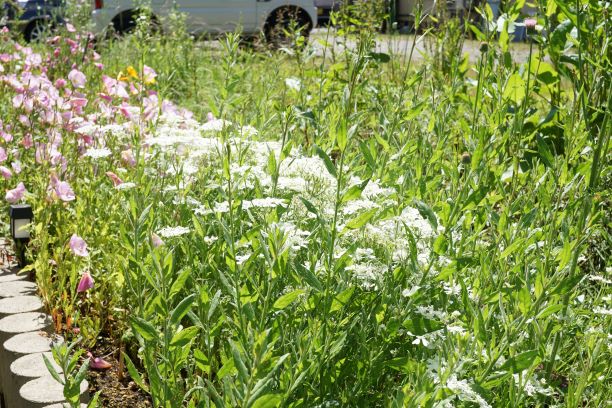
346	229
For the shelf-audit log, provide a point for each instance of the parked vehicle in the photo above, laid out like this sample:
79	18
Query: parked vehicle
212	17
32	18
324	9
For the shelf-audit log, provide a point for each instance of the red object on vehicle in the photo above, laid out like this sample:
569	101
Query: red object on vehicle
98	4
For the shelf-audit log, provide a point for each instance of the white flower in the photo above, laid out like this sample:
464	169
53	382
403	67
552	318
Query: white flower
602	311
222	207
456	329
210	239
169	232
411	291
98	153
125	186
293	83
269	202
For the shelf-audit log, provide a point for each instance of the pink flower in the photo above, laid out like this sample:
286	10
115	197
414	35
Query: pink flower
70	28
98	363
530	23
16	194
86	282
210	117
64	191
5	172
148	74
115	178
128	158
3	155
156	240
77	78
78	246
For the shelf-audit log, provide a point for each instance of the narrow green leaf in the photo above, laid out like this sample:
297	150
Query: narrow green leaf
181	309
331	168
288	298
521	362
144	329
183	337
134	374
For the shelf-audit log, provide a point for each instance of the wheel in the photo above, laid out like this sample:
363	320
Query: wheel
37	30
288	27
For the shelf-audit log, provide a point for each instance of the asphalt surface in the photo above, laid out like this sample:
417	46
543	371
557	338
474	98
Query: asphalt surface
401	44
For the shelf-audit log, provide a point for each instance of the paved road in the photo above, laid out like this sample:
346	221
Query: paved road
401	45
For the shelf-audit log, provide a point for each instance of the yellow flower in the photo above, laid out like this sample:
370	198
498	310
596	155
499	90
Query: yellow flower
132	72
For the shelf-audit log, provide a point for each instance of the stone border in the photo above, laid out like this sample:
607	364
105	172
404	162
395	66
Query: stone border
26	333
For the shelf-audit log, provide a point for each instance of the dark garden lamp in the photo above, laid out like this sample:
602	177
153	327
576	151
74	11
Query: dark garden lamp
21	216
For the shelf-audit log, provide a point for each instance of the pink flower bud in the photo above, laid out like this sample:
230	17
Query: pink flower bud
115	178
86	282
98	363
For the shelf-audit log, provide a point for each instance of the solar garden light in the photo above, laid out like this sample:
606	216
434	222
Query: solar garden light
21	216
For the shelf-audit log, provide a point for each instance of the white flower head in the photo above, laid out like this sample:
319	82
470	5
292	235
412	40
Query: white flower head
169	232
98	153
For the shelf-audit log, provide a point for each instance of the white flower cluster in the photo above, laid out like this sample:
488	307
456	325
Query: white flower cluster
169	232
98	153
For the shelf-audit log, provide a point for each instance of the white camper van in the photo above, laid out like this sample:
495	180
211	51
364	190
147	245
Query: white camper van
210	16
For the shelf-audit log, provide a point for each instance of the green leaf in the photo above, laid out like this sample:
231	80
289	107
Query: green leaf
566	285
342	299
183	337
268	401
181	309
308	276
239	363
521	362
288	298
361	220
180	281
134	374
144	329
420	326
513	247
52	370
331	168
515	88
201	361
427	212
354	192
403	364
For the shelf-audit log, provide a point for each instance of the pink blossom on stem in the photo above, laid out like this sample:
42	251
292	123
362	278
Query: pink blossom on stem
115	178
16	194
86	282
64	191
77	78
156	240
5	172
78	246
3	155
128	158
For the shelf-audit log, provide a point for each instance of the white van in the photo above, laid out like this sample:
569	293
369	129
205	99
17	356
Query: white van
210	16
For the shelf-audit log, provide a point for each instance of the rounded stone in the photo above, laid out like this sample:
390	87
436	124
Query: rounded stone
60	405
45	390
33	365
20	304
25	322
31	342
17	288
11	277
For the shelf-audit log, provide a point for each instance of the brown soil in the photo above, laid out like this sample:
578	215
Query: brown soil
114	393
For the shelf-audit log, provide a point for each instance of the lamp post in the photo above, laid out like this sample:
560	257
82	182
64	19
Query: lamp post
21	216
